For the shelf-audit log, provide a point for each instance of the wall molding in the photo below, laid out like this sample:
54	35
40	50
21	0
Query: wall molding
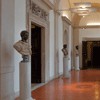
66	20
49	4
84	27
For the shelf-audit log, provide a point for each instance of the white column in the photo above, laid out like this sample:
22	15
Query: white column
25	81
56	44
69	47
52	45
77	63
56	41
66	73
6	49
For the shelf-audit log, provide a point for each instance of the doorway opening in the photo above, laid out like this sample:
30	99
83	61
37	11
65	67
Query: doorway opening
36	54
90	54
96	56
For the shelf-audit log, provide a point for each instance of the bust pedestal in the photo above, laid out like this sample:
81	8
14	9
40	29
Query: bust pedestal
66	72
25	81
77	63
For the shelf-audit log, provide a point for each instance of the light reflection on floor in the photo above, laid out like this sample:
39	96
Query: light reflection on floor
82	85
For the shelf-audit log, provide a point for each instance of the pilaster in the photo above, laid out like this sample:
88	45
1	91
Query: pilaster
6	49
56	41
67	34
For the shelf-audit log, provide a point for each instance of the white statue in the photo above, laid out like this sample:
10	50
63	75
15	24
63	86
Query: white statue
77	58
64	50
23	47
76	50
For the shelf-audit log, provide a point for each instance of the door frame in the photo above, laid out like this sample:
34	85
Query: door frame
94	43
45	65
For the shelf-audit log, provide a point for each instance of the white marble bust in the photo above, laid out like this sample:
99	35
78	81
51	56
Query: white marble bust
64	50
76	50
23	47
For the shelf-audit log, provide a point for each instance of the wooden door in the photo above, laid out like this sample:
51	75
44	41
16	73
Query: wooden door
84	54
36	54
96	57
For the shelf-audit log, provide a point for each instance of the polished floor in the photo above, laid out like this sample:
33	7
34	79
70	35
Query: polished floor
82	85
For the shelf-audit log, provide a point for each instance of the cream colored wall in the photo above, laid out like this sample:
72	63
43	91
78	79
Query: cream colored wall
52	1
71	46
64	4
20	24
52	35
6	49
60	44
93	18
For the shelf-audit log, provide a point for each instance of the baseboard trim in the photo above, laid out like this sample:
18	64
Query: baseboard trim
17	94
56	76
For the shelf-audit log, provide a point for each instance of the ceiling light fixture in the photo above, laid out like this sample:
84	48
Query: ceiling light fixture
81	8
83	4
84	11
93	23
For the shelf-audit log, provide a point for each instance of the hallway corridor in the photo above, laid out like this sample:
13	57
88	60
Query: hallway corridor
82	85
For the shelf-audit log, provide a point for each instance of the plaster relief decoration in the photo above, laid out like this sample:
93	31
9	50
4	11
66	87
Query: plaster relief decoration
35	9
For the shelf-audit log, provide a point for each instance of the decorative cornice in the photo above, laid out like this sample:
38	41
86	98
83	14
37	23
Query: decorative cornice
84	27
50	5
67	20
57	12
91	39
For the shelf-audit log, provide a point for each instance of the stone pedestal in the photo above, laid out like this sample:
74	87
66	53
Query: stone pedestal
69	64
25	81
66	72
77	63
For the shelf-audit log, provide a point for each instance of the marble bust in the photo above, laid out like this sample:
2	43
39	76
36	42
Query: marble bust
23	47
64	50
76	50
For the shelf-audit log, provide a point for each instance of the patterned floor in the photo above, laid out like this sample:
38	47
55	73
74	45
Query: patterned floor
82	85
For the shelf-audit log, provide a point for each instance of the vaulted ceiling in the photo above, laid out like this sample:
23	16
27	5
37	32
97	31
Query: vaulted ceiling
95	3
80	21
